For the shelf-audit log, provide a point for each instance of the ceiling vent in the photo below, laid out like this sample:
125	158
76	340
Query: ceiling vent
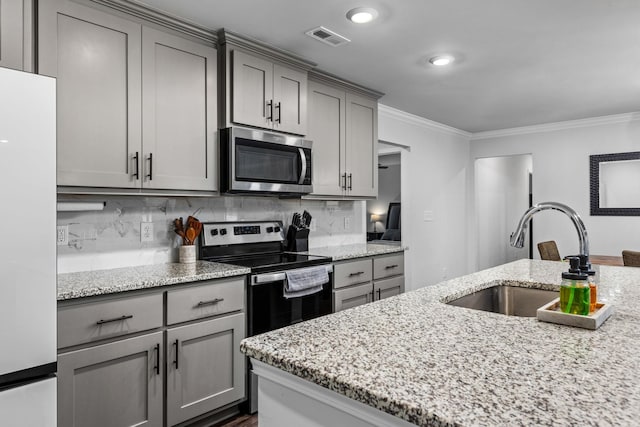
327	36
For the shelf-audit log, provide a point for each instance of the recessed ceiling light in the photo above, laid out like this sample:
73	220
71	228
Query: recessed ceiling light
362	15
441	60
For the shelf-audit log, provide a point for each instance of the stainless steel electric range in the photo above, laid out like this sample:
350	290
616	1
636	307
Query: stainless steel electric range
259	245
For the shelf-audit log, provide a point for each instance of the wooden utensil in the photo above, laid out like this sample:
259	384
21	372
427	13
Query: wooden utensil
190	234
179	229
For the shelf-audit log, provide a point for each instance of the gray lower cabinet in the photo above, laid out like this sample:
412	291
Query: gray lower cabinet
205	368
151	357
343	125
361	281
116	384
137	107
352	296
16	34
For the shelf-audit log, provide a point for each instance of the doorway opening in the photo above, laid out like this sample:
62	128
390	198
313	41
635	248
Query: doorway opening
383	214
503	192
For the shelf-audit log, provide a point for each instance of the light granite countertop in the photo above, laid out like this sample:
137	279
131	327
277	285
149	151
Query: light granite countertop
433	364
102	282
344	252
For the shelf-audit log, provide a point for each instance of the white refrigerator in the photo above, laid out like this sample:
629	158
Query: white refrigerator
27	249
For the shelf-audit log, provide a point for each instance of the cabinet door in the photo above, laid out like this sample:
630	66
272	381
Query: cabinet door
327	131
96	60
205	369
252	83
362	146
352	297
11	34
179	112
289	100
388	287
117	384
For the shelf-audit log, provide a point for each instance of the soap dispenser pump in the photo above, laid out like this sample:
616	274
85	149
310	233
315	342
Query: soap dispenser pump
575	295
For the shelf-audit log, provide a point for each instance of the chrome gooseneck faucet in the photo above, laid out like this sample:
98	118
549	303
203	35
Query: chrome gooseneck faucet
517	237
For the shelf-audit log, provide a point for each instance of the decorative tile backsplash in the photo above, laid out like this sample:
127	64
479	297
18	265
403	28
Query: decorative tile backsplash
111	238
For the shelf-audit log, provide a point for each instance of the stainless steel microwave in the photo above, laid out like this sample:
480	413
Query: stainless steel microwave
256	161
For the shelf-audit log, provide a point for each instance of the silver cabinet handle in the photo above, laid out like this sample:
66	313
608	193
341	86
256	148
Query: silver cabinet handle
270	108
344	181
137	159
150	175
157	367
279	119
356	274
210	302
117	319
350	181
175	360
389	267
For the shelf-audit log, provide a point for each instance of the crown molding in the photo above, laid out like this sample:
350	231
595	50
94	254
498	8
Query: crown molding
412	119
551	127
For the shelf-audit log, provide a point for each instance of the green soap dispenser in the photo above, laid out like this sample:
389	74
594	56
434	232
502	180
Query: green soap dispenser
575	295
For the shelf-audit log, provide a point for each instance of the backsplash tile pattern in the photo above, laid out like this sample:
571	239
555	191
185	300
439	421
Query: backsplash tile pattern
111	238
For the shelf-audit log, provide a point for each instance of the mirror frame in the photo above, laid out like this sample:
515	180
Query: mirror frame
594	182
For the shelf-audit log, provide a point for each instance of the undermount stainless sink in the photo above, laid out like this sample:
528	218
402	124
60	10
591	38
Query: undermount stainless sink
509	300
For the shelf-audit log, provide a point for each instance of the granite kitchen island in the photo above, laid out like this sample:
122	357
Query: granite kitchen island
412	359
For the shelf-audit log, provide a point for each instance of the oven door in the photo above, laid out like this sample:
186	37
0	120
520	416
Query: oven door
269	309
265	162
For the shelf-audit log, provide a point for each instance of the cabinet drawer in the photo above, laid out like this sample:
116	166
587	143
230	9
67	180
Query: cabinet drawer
351	273
209	298
352	297
82	323
388	265
386	288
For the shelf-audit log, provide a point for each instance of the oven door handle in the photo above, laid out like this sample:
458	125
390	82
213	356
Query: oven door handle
268	278
279	276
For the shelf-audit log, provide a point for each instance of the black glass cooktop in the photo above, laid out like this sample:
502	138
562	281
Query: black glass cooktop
265	263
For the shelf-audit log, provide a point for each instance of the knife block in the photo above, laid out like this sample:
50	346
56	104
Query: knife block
297	239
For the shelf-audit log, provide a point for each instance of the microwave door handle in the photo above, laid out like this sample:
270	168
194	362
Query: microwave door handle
303	168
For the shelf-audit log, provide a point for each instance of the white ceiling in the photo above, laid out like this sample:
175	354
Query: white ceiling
519	62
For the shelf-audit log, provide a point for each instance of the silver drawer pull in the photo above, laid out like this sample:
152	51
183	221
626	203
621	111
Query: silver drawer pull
388	267
117	319
356	274
211	302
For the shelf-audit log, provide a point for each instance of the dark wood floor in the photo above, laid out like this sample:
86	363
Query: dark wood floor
242	420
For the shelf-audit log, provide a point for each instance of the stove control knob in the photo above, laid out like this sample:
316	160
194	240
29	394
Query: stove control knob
214	231
276	229
269	229
223	231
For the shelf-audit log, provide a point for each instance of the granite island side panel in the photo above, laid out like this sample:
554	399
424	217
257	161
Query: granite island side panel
429	363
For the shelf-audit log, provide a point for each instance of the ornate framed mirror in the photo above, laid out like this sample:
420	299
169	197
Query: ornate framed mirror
615	184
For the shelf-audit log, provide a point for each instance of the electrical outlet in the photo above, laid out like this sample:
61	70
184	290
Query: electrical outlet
347	223
427	216
62	235
146	232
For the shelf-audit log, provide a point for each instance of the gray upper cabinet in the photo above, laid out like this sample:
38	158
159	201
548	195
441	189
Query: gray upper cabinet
16	34
362	146
343	125
268	95
327	131
179	107
136	106
95	57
